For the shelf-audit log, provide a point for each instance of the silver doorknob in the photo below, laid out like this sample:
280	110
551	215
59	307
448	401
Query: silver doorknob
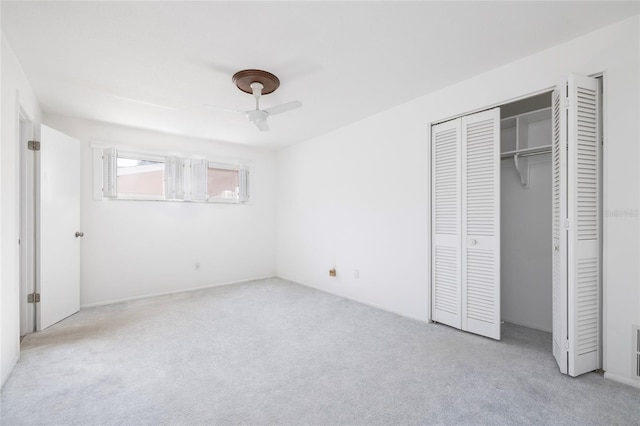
473	242
79	234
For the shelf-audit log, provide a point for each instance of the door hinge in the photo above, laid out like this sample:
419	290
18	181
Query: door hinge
566	224
33	145
566	103
33	297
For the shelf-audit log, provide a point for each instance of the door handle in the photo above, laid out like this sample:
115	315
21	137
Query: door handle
473	242
79	234
556	248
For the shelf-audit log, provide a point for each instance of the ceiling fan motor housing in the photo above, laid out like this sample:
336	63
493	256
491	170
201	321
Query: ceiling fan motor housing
243	80
257	115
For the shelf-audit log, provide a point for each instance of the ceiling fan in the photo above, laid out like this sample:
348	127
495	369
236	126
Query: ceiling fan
258	83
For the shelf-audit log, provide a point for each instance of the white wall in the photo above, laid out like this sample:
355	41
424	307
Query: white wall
358	197
140	248
16	94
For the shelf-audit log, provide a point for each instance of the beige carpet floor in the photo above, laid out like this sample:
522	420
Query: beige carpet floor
272	352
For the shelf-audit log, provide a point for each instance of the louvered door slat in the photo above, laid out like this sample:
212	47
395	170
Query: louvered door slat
447	294
481	223
446	302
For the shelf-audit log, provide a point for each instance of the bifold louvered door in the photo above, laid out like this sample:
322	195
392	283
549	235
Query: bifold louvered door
466	223
559	240
577	285
481	223
446	208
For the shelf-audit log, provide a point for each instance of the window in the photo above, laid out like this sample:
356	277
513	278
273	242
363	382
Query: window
223	183
212	181
138	176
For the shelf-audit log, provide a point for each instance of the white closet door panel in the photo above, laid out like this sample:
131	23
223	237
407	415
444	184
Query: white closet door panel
447	285
481	223
584	219
559	240
446	295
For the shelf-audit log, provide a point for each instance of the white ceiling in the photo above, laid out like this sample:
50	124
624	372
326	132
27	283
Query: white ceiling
156	65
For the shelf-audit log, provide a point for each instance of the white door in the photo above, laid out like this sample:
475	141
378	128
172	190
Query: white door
481	223
466	223
446	291
576	328
59	221
559	240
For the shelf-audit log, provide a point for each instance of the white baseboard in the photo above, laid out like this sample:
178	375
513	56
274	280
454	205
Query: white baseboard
373	305
166	293
6	373
623	379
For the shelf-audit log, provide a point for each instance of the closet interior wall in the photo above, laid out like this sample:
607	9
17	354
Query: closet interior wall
526	191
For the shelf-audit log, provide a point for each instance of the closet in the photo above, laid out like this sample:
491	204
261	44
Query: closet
515	220
525	187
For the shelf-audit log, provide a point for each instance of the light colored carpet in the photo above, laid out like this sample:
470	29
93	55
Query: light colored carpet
274	352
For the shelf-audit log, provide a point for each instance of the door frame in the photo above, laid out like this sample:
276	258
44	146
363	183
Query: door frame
26	226
604	206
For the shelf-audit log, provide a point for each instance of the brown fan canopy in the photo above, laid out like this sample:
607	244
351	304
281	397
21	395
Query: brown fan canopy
244	78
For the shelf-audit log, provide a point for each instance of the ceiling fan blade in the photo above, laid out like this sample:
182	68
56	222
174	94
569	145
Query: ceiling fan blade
278	109
220	109
262	125
139	101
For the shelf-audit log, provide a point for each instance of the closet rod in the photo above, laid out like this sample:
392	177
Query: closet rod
526	152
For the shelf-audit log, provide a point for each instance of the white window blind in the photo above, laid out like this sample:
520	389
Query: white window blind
173	175
109	172
244	184
199	180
